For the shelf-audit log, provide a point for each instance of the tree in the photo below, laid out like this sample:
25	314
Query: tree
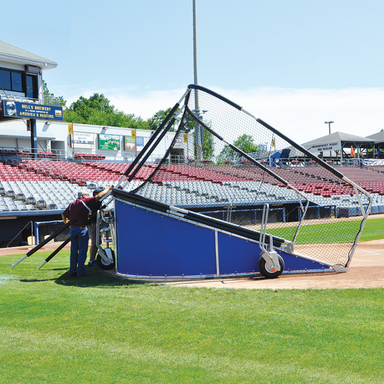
208	148
50	98
89	111
156	120
227	154
208	145
244	143
97	110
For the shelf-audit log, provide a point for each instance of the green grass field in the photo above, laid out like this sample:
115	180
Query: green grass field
101	329
344	231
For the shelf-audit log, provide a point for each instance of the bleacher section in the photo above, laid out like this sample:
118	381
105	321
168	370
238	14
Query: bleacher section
29	185
89	156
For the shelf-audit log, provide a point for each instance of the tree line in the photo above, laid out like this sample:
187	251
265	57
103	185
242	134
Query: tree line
97	110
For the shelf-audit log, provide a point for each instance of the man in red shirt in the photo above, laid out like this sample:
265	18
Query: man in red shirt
77	213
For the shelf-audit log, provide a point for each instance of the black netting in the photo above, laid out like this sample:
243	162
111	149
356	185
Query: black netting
227	164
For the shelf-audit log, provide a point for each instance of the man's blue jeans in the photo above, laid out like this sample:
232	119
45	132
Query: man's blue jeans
79	247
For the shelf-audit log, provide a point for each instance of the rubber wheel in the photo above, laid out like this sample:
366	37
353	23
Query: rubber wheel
267	272
103	265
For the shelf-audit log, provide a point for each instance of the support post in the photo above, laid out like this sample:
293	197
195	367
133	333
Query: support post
33	138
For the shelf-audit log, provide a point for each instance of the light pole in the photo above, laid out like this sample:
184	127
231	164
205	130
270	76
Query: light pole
194	42
329	125
198	129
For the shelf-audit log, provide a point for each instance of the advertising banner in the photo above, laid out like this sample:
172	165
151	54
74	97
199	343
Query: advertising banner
31	111
109	142
325	147
83	140
129	144
140	142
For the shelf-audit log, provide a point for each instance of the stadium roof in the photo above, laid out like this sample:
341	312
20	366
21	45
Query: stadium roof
11	54
340	137
379	136
337	141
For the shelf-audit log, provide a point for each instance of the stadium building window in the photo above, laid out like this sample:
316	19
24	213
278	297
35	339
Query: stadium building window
5	80
32	87
15	80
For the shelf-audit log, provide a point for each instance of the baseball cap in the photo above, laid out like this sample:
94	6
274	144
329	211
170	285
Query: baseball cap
96	191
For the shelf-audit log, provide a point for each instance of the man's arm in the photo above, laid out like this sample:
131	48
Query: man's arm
65	219
104	192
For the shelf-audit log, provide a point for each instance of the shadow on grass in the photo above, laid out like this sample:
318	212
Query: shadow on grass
98	278
35	280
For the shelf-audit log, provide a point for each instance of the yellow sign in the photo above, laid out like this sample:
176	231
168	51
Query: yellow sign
273	142
70	129
133	133
185	137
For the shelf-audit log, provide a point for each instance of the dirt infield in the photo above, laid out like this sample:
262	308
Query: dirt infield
366	271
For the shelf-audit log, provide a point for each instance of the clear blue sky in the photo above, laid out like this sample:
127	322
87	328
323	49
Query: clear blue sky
293	63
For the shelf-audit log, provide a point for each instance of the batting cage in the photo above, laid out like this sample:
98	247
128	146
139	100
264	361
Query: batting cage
232	196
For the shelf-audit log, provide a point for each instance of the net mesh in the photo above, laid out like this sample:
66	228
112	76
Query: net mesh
227	164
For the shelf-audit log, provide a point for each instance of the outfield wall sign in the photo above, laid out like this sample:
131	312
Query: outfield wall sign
83	140
110	142
31	111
